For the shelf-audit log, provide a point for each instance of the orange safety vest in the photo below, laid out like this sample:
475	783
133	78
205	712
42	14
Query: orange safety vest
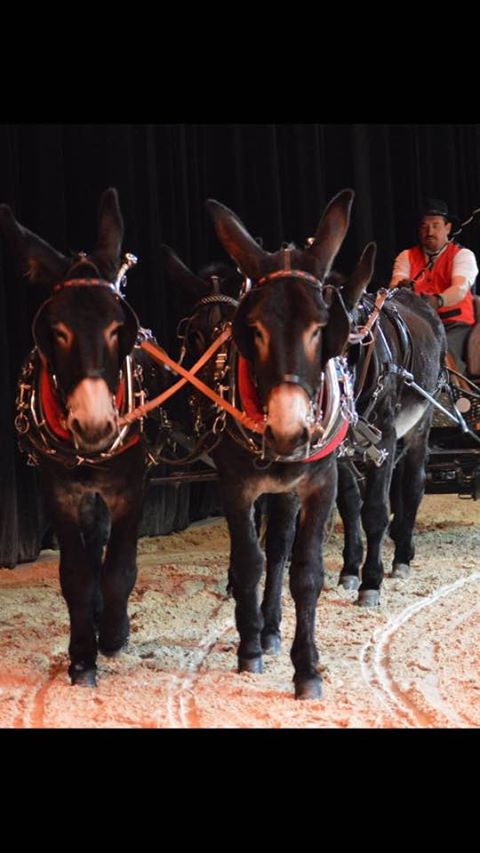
438	279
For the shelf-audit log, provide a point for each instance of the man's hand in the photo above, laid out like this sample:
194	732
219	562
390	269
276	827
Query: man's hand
406	282
432	301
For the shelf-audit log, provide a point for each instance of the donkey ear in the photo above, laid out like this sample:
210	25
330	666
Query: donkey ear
331	230
178	273
361	276
236	240
36	258
337	330
242	333
110	231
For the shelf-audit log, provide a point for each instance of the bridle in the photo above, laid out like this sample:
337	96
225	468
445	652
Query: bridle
33	420
312	281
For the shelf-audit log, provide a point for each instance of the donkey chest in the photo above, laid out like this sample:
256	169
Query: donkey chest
69	493
298	479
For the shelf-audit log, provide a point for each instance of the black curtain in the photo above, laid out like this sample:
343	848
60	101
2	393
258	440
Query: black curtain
277	177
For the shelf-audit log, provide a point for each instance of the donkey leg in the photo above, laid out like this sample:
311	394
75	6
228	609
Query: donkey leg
257	514
412	487
94	520
375	518
282	514
306	581
246	566
349	502
123	494
78	585
117	581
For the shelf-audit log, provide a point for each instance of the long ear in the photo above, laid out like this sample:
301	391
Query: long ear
331	230
361	276
178	273
235	239
36	258
110	231
242	333
337	330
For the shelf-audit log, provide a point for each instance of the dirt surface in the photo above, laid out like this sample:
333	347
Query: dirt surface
413	662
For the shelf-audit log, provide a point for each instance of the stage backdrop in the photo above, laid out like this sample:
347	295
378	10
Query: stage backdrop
276	177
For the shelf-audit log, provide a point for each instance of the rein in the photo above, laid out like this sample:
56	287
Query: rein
141	411
189	376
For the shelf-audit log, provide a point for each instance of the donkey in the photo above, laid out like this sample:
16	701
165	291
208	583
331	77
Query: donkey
212	298
78	380
394	424
289	329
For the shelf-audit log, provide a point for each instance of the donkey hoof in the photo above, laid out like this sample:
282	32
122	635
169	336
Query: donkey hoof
368	598
272	644
254	665
400	570
81	677
112	650
349	581
308	688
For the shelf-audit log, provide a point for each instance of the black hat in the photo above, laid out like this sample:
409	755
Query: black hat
437	207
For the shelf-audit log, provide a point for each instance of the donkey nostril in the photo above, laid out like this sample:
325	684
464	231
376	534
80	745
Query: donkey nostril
93	433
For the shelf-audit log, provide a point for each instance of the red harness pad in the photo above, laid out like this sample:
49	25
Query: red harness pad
52	411
251	406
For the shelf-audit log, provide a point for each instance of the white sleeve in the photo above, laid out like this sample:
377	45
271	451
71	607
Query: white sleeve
401	267
465	264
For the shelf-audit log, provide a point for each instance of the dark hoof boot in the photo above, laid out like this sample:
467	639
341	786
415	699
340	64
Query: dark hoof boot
349	581
369	598
272	644
400	570
254	665
308	688
81	677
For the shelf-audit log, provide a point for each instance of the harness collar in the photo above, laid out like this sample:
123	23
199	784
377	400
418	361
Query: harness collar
40	420
337	408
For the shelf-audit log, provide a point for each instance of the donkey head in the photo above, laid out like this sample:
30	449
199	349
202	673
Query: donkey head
210	297
85	330
290	323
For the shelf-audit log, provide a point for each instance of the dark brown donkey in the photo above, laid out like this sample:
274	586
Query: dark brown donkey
74	386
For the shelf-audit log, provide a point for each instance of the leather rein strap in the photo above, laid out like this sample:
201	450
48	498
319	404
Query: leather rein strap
189	376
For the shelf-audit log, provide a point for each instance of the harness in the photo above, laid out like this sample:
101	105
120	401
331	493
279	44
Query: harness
40	418
235	393
40	407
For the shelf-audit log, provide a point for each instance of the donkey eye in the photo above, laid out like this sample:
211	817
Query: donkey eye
60	336
257	334
316	333
113	332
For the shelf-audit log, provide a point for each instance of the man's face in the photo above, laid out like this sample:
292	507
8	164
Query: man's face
433	232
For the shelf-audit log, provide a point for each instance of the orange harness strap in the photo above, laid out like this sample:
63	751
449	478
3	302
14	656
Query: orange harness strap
189	376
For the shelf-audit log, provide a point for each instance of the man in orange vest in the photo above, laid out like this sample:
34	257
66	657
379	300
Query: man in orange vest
444	272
